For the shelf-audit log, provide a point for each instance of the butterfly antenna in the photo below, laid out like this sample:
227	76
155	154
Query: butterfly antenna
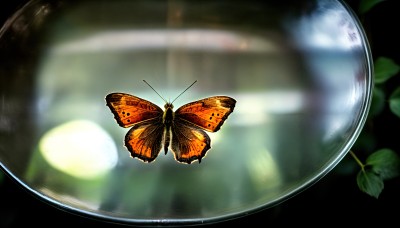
155	91
184	91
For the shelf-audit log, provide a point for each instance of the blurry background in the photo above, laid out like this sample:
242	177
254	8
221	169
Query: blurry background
335	199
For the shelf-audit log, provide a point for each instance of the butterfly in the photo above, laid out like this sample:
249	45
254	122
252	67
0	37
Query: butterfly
152	128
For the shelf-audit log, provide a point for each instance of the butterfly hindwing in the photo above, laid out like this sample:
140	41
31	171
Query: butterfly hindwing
128	109
189	143
144	140
208	113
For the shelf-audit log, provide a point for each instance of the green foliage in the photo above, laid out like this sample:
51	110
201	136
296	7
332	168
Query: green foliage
366	5
394	102
385	68
382	164
370	183
385	163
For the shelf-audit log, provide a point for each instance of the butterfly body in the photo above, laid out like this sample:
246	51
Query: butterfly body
182	131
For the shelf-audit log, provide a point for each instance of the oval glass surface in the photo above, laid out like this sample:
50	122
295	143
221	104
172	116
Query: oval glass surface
300	72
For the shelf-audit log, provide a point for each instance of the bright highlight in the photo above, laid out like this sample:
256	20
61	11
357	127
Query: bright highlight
79	148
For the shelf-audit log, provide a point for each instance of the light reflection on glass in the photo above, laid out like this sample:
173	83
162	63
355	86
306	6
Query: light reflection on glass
333	29
264	170
91	204
253	106
79	148
194	39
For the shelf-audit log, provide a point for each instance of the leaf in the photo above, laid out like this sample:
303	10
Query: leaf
370	183
377	102
366	5
394	102
385	68
385	163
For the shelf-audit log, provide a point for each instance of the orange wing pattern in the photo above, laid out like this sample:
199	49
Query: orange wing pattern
188	143
128	109
208	113
144	140
150	125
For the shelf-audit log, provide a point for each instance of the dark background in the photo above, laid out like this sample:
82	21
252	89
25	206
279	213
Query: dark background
334	200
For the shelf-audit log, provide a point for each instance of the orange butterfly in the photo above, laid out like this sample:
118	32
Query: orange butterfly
152	127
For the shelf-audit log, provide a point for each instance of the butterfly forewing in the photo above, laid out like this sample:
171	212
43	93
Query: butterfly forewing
208	113
128	109
189	143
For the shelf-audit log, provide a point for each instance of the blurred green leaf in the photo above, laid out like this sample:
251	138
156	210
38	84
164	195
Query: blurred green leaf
394	102
385	163
370	183
378	102
385	68
366	5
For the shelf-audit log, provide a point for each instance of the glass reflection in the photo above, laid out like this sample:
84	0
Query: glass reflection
153	39
79	148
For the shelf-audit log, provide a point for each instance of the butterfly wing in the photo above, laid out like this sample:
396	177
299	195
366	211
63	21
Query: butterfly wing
208	113
189	143
144	139
128	109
